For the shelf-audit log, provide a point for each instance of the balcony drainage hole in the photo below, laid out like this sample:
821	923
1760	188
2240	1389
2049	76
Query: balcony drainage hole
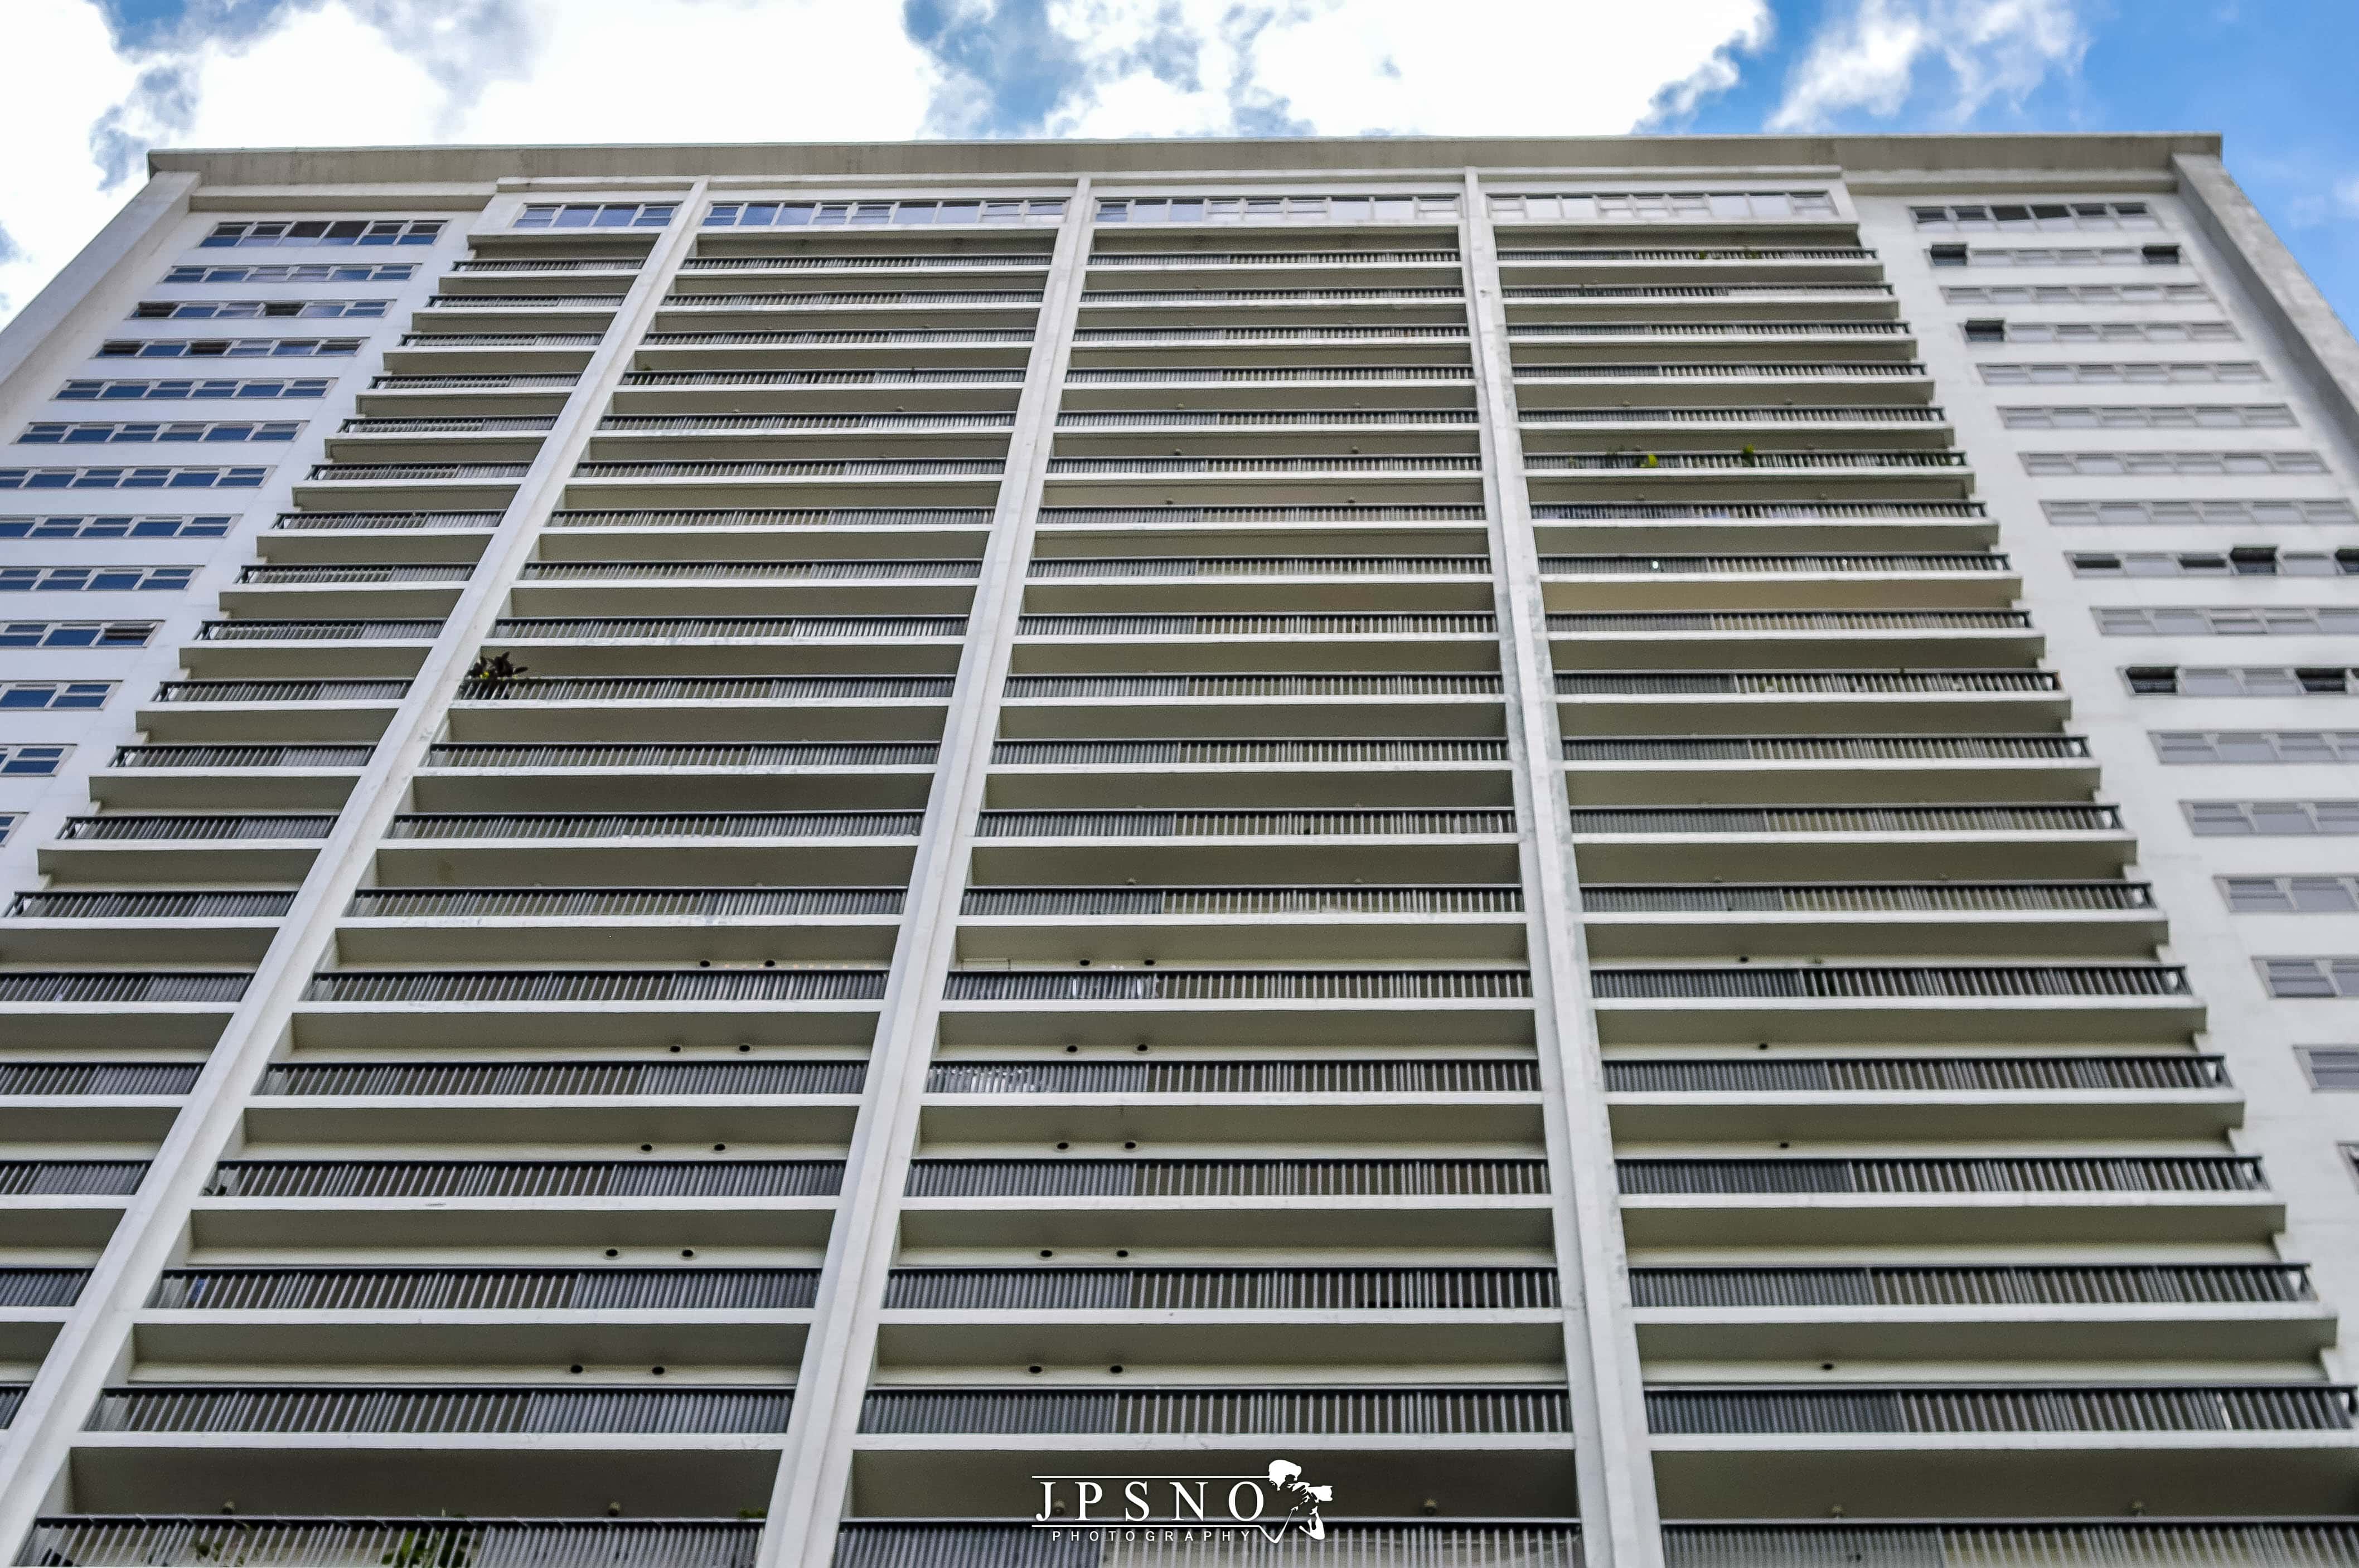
1122	1251
744	1049
1084	963
721	1147
704	963
675	1050
647	1148
655	1370
1785	1146
1072	1050
687	1251
1032	1369
770	963
1130	1145
1826	1366
614	1252
1048	1252
1115	1368
1062	1147
575	1368
1142	1047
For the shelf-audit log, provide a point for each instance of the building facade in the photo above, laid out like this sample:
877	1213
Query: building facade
1443	853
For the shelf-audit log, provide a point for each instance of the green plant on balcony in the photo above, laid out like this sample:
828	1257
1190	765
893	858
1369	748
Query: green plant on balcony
435	1546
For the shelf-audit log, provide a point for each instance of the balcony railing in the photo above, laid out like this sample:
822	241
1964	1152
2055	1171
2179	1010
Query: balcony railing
450	1288
1154	824
964	261
2062	1174
1744	510
584	824
1182	467
1918	1075
1181	336
1172	1412
890	338
461	424
1192	260
1765	414
1802	683
1238	753
1273	419
591	1079
501	339
1824	748
1264	375
371	522
156	905
1558	333
207	1540
531	903
188	829
823	301
1658	254
1087	1178
1058	568
1301	626
982	902
596	985
319	631
1781	370
524	1178
22	1287
1402	295
264	574
781	572
70	1178
2069	1284
1583	462
1816	898
1793	621
768	628
1969	1543
1461	1544
1848	820
1220	1290
551	383
1197	516
799	467
974	377
121	986
478	1410
1761	564
524	301
90	1079
1971	1408
1378	1077
1250	685
633	424
653	754
1237	985
706	688
185	691
386	472
1910	981
241	756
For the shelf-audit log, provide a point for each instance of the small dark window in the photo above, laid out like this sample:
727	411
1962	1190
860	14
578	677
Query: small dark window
2153	681
1949	255
2253	560
2331	1066
2161	255
2322	682
1986	332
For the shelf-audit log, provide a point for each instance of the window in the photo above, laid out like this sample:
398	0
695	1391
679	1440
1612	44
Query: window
874	214
2330	1066
1966	219
2059	256
28	763
8	820
76	633
2291	895
1387	209
1677	206
597	215
2159	255
228	348
2298	978
131	479
1994	331
2244	560
1947	256
2272	818
296	272
328	231
2188	621
255	310
45	433
2100	465
2135	373
2250	746
92	579
211	526
55	694
2080	514
186	390
2149	417
2190	680
2076	293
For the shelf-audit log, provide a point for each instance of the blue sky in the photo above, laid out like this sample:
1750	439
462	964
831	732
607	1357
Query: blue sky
109	78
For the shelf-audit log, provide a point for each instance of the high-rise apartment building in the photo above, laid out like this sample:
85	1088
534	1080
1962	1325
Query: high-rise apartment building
1639	850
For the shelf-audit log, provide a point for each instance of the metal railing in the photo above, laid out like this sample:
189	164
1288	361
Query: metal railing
584	824
880	338
160	903
432	1288
1459	1543
458	424
211	757
1764	414
1324	464
1233	685
1371	512
698	423
1237	985
1160	260
1240	901
266	575
1755	564
1848	820
1115	299
281	691
524	1178
1785	370
1553	333
1176	337
706	688
1249	376
1545	463
1160	823
500	339
1793	621
70	1178
1308	624
209	1541
317	631
1802	683
1220	1289
78	1079
797	467
1157	1412
471	383
145	830
1238	753
777	517
379	986
453	1409
1977	1544
973	375
1752	511
1928	982
2061	1174
2004	1285
1860	898
793	571
1665	253
1088	1178
512	903
25	1287
777	628
960	262
522	301
1270	419
1058	567
591	1079
1986	1407
369	522
824	301
1824	748
1378	1076
1676	291
121	986
1918	1075
381	472
684	754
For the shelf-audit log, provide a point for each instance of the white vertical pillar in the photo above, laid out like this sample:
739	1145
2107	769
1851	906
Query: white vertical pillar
95	1342
815	1472
1614	1463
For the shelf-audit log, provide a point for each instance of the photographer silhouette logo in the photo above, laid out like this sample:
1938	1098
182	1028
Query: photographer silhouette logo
1273	1504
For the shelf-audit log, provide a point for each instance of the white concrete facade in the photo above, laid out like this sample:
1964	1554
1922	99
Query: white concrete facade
1639	845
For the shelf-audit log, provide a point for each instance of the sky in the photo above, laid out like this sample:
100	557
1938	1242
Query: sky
93	84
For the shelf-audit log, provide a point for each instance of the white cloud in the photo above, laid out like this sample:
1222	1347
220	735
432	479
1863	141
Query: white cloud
1868	57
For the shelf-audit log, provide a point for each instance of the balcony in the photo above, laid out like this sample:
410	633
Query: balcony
1863	919
1113	480
1226	643
1804	770
733	644
1751	582
684	924
2081	1313
1237	1006
1817	524
461	396
1829	264
2227	1541
518	849
1258	583
46	1205
395	486
75	925
1142	347
1728	342
242	650
1918	1003
229	777
1152	389
494	1008
1441	304
1568	380
745	587
518	312
1619	702
949	433
2018	1199
450	353
1752	475
825	348
1290	709
158	847
205	1541
744	483
1683	429
1127	924
408	437
1265	432
747	391
1173	847
1791	842
1720	639
1464	1543
117	1007
199	711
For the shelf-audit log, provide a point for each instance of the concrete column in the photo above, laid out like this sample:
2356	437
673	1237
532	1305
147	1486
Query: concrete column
95	1345
1614	1464
815	1472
